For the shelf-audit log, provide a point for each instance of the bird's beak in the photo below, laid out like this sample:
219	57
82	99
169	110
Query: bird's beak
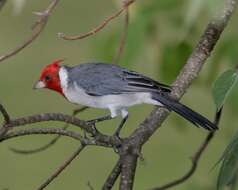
39	84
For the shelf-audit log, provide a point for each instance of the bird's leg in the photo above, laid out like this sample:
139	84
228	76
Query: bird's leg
94	121
103	118
117	132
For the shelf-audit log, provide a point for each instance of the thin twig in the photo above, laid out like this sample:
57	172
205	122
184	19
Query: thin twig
5	114
84	125
98	28
51	142
41	131
4	128
39	149
62	167
195	158
89	185
123	39
51	117
37	29
55	131
111	179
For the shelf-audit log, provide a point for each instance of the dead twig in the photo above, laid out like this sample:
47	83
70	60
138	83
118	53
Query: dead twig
51	142
195	158
6	117
98	28
119	52
37	28
61	168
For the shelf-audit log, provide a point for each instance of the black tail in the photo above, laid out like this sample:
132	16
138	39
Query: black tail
192	116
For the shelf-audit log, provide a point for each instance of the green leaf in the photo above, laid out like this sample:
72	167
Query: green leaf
222	87
229	167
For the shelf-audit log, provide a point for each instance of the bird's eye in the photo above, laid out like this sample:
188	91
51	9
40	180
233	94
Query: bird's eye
47	78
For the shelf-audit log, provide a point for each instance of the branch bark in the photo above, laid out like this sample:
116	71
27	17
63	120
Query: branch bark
114	174
38	27
119	52
51	142
100	27
62	167
19	122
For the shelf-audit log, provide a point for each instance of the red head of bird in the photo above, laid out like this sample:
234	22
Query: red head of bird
49	77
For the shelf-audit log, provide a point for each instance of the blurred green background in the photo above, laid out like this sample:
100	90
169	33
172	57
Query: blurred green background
161	36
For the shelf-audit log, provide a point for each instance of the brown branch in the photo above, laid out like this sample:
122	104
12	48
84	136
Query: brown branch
62	167
51	142
195	158
5	114
55	131
187	75
84	125
123	39
114	174
6	117
41	131
98	28
128	170
37	29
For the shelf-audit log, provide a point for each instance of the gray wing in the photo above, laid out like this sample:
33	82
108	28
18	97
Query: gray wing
100	79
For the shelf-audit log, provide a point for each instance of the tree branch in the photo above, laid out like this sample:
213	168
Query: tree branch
42	131
100	27
111	179
112	141
5	114
195	158
54	131
6	117
128	168
38	27
62	167
51	142
123	38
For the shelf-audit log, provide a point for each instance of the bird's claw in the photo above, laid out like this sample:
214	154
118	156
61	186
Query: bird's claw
93	126
94	130
119	140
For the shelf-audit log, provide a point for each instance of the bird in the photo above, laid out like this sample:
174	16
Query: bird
109	86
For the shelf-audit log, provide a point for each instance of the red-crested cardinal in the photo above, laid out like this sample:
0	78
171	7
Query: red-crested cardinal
108	86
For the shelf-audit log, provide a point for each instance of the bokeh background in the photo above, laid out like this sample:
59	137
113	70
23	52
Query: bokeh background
161	36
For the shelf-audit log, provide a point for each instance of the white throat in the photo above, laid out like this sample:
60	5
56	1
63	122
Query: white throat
63	75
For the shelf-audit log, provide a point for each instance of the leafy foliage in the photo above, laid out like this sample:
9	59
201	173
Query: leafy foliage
222	87
229	167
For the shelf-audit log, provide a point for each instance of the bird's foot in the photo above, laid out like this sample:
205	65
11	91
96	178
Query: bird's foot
93	126
94	130
119	142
